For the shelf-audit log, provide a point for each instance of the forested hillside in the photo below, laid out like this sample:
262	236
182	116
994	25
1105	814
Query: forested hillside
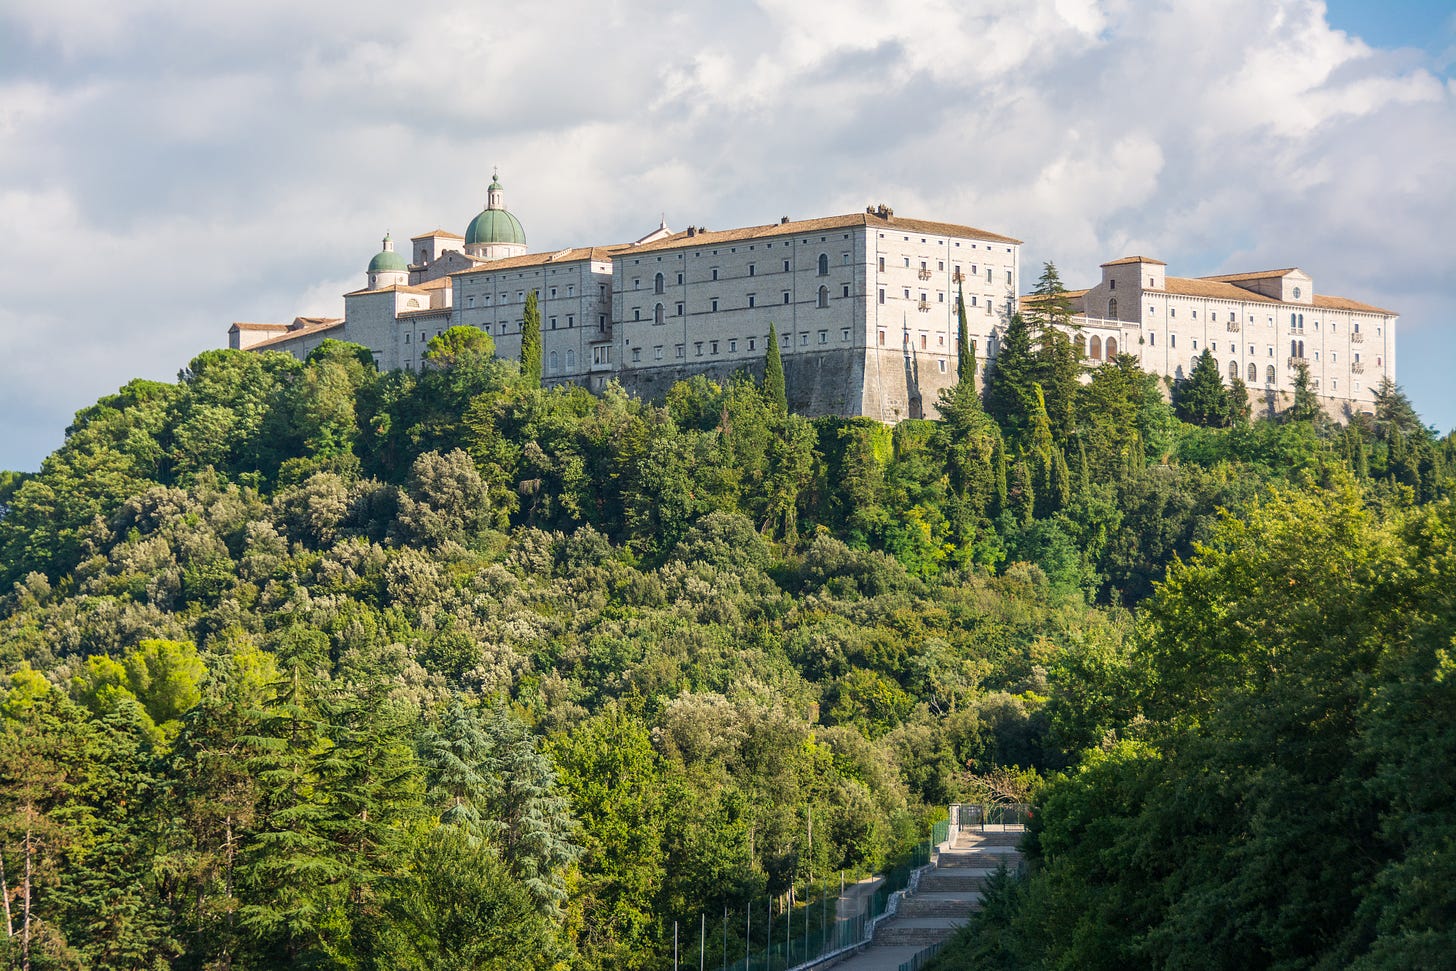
308	665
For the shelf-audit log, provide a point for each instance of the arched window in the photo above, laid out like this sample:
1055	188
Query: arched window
1112	309
552	363
657	285
1111	348
1233	370
823	295
1301	349
1269	375
1294	348
570	359
1293	319
823	264
1301	321
1253	373
1096	348
657	311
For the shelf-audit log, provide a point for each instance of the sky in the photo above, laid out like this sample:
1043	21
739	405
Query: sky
168	167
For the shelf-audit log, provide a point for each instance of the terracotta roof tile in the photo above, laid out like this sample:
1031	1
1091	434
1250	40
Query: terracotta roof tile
436	232
871	220
1135	259
1344	303
597	254
396	288
312	330
1254	275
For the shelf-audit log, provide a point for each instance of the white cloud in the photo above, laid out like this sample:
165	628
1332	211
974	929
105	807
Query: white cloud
168	167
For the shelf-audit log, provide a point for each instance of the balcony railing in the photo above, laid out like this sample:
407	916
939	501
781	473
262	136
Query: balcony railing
1296	331
924	274
923	306
1295	362
1234	326
1358	367
957	277
1357	337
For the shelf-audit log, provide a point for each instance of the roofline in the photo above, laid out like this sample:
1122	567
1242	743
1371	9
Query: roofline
682	239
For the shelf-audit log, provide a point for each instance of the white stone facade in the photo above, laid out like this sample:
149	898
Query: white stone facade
1258	325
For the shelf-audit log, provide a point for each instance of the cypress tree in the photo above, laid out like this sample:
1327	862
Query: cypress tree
965	351
774	389
531	342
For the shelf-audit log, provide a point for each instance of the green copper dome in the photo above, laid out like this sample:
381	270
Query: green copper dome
495	226
387	260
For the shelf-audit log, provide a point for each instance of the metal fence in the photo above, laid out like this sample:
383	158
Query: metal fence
776	935
980	815
922	958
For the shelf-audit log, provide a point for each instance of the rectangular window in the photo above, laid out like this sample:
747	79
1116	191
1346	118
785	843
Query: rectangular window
824	337
601	322
679	279
942	365
553	323
940	264
715	273
786	266
570	321
712	347
469	301
882	294
940	295
406	338
786	296
907	262
907	292
846	289
636	313
636	355
571	290
988	274
1008	278
636	283
804	339
553	293
697	348
882	264
715	305
679	350
679	310
732	347
753	343
844	334
882	338
752	270
846	259
657	352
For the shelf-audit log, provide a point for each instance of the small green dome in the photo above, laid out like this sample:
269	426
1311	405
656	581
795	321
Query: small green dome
495	226
387	260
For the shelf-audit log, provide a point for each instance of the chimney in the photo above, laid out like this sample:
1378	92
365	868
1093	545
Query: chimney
784	221
692	231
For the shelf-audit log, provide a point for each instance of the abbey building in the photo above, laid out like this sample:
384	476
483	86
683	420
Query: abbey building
863	305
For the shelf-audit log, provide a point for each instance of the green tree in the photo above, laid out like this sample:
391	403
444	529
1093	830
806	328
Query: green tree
774	389
1012	374
1306	405
1201	398
531	342
965	349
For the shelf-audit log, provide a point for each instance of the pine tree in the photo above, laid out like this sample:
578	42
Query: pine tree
1201	398
774	389
531	342
1306	405
1009	381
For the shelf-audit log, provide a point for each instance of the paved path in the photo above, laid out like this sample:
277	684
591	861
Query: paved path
945	898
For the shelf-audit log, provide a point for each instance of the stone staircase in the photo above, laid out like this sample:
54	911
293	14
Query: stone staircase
947	894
